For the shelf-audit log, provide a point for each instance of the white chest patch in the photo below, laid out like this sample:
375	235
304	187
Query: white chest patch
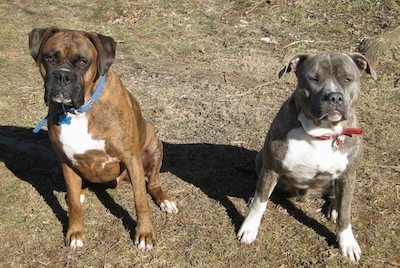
308	157
76	139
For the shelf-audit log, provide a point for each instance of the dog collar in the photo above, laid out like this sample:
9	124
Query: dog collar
348	131
64	118
324	134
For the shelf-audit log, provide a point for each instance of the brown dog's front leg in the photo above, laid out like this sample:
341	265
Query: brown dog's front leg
76	231
348	245
145	235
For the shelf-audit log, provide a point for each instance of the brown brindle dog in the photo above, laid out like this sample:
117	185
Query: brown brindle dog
96	126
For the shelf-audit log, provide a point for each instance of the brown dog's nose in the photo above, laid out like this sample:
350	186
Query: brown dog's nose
335	98
63	77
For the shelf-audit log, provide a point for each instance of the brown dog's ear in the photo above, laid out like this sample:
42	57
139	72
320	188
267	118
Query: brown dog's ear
293	64
363	64
105	47
37	37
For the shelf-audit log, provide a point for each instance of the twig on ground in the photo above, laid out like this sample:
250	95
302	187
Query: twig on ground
267	83
254	7
305	41
248	91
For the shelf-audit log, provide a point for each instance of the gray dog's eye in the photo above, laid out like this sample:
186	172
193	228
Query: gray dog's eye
313	78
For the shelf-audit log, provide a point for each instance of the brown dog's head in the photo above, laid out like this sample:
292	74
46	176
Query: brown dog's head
328	84
70	62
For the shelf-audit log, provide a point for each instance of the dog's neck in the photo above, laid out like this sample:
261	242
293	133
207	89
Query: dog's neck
336	132
318	131
66	112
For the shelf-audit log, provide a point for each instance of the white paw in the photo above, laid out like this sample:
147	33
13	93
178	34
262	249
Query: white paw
76	243
333	215
82	198
249	229
247	235
348	245
143	246
168	206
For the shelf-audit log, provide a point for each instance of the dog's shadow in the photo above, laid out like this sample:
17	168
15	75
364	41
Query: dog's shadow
32	158
218	170
221	171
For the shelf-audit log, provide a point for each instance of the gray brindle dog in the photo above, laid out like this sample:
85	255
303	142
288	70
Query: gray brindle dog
314	143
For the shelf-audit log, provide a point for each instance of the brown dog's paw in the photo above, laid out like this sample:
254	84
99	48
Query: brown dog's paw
144	237
169	206
163	200
75	239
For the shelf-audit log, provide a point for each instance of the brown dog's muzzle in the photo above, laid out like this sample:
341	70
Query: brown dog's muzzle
63	87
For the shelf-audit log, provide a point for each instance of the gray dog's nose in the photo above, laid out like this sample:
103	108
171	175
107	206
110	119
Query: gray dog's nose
63	77
335	98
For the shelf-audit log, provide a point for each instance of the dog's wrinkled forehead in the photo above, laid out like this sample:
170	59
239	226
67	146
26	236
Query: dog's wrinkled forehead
335	64
69	45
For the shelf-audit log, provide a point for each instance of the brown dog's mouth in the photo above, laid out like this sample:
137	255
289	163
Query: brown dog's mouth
61	99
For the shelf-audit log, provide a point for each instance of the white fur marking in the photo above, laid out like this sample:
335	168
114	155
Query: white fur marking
332	85
348	245
76	139
76	243
110	160
249	229
334	215
168	206
82	198
142	245
307	156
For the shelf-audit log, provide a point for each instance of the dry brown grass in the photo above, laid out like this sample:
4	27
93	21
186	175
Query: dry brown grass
203	75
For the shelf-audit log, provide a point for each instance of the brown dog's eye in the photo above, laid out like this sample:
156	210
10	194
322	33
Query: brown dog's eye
82	63
50	59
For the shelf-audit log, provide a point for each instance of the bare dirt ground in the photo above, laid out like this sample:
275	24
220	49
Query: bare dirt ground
205	73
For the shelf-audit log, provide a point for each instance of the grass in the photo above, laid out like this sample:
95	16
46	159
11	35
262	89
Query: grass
209	83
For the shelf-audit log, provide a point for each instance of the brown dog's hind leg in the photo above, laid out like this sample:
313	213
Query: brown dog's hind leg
82	195
152	160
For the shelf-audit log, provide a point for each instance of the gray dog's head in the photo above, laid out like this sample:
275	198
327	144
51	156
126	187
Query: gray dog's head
328	84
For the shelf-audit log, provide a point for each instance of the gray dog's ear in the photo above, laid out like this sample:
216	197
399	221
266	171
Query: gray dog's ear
363	64
293	64
37	37
105	47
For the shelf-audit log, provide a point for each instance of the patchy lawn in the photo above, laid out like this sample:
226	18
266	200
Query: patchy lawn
205	72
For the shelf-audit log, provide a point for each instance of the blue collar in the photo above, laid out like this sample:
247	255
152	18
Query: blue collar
64	118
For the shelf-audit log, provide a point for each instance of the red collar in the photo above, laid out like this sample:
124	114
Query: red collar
348	131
